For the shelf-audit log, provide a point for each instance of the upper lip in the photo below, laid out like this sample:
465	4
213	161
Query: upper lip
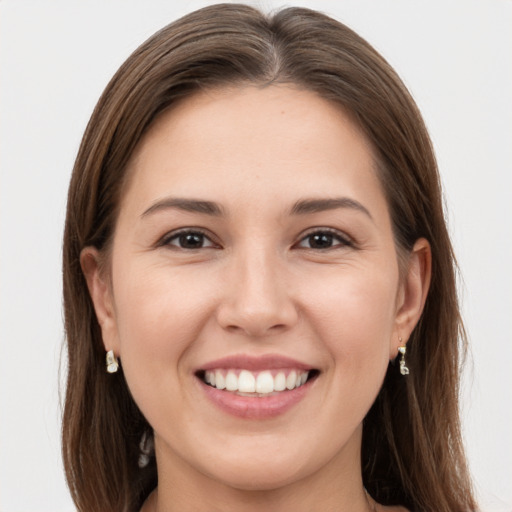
256	363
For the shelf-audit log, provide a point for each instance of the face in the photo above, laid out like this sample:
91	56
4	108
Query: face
255	297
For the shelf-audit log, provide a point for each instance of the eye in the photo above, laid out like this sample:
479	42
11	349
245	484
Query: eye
189	239
324	239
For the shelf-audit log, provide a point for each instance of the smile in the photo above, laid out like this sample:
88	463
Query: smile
256	388
263	383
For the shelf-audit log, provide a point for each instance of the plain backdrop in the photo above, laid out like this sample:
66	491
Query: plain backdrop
56	58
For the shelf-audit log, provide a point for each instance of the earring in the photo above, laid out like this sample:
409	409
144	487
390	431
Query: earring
147	449
403	369
112	362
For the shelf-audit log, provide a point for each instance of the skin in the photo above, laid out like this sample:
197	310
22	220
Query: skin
256	284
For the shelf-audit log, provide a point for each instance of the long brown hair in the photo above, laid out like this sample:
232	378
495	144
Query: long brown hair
412	453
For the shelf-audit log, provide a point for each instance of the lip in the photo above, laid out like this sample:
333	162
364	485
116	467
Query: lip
255	363
257	407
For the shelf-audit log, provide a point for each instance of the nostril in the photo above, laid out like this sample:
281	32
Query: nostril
255	327
278	327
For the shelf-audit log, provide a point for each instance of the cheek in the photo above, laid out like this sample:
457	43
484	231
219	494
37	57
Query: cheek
159	313
355	311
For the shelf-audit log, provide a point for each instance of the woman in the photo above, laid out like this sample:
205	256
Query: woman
254	232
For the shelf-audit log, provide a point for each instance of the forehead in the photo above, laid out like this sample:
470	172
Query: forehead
275	140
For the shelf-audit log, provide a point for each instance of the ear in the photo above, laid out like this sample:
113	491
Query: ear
412	293
101	296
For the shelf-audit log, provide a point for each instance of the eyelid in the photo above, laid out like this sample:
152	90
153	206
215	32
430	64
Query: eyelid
346	240
171	235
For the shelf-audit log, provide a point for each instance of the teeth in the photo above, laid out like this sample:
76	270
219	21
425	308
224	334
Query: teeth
280	382
261	383
291	380
220	380
246	382
231	382
265	383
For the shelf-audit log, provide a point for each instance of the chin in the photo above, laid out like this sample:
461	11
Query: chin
259	478
262	470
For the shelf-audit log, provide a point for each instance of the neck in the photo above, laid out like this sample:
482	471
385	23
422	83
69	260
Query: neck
154	503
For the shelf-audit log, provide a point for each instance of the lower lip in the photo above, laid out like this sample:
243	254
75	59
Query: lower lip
249	407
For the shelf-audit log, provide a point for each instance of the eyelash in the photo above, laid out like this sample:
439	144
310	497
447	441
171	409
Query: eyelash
176	235
343	240
332	234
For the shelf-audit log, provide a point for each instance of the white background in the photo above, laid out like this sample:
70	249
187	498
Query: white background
56	58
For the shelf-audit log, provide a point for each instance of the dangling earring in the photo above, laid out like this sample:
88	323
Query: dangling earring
403	369
112	362
147	449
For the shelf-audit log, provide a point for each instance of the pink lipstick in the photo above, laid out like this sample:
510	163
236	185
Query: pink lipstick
256	387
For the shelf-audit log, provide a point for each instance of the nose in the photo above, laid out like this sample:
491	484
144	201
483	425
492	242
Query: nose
258	300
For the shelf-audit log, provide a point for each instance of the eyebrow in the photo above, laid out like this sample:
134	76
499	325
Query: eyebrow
301	207
305	206
188	205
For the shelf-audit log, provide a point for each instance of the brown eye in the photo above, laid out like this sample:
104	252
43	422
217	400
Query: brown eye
189	240
323	240
320	240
